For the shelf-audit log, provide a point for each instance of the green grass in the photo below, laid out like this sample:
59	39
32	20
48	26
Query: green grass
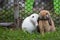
7	34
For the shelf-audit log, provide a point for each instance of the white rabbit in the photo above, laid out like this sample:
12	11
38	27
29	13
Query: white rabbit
30	23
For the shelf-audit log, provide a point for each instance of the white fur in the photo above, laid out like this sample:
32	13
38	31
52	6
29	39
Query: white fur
27	25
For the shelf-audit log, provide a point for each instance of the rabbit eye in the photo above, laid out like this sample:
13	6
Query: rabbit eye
32	16
46	13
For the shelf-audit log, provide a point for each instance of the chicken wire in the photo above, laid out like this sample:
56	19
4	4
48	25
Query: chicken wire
6	11
28	7
34	6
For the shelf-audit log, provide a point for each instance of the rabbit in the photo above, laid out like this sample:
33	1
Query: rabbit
45	22
30	23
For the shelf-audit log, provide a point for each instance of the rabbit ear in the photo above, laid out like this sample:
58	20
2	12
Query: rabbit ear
48	13
50	23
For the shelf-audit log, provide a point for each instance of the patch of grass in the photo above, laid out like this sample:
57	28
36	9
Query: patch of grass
7	34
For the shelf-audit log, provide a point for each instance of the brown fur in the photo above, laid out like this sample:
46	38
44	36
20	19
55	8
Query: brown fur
52	26
45	25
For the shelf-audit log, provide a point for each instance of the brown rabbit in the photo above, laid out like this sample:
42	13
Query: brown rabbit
45	22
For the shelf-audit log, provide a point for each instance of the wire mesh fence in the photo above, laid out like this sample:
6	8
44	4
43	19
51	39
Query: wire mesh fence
34	6
27	7
6	13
